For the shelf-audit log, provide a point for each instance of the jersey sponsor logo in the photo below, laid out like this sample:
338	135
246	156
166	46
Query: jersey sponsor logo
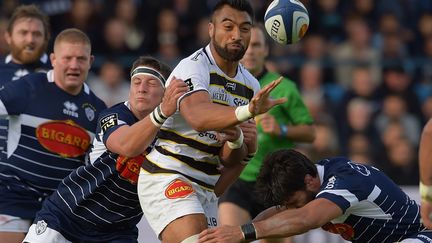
331	182
240	102
220	97
108	121
359	168
41	226
189	84
208	134
70	109
65	138
345	230
129	168
178	189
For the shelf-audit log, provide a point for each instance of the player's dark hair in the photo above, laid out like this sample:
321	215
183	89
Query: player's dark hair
241	5
282	174
152	62
29	11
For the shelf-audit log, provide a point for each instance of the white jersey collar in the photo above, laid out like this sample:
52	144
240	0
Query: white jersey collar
43	59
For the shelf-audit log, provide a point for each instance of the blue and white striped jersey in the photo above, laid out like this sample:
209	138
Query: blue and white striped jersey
374	208
95	202
49	135
10	71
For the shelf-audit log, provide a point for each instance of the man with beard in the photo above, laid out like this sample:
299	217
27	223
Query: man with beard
358	202
182	175
53	117
27	36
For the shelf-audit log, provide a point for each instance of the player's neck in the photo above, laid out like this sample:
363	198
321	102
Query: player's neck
228	67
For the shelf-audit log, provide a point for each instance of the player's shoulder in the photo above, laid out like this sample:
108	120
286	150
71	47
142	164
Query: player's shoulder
119	111
198	60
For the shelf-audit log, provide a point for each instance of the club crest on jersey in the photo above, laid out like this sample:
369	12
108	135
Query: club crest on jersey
178	189
41	226
70	109
345	230
65	138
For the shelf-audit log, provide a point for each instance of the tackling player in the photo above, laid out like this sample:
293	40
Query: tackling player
52	119
357	201
99	202
180	173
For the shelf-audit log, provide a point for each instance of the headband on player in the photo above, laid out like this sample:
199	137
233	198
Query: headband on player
149	71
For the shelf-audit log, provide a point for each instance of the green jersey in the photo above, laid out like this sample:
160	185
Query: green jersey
292	112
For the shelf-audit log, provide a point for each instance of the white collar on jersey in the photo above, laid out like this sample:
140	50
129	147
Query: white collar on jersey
320	169
50	77
43	59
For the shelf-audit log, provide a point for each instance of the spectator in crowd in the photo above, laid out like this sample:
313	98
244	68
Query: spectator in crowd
52	119
281	127
98	201
356	50
110	85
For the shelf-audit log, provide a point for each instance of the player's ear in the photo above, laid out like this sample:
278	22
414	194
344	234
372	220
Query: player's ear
7	37
92	58
308	180
52	59
211	29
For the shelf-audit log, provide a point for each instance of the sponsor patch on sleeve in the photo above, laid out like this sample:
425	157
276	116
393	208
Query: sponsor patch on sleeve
108	121
189	84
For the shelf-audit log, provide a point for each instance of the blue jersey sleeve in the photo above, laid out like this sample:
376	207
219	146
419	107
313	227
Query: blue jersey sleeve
15	96
113	118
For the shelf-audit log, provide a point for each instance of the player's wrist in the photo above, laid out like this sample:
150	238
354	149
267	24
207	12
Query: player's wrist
157	117
425	192
248	157
237	143
249	232
242	113
283	130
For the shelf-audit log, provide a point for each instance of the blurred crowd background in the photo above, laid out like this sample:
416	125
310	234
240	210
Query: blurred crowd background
364	67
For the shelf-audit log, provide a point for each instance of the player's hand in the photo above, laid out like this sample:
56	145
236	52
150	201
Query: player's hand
426	213
228	134
221	234
261	102
269	124
250	135
175	89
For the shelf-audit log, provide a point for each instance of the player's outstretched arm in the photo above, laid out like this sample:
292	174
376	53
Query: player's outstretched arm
425	166
133	140
286	223
203	115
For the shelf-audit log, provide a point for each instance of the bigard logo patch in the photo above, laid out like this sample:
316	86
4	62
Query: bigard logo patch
64	138
345	230
178	189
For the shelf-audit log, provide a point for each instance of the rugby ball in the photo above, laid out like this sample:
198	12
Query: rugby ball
286	21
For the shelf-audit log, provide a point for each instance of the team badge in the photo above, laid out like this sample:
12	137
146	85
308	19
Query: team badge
41	226
65	138
178	189
89	113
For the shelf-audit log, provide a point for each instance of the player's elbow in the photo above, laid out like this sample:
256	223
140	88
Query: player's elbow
197	124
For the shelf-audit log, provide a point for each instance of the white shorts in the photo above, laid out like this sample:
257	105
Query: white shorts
13	224
40	233
166	197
